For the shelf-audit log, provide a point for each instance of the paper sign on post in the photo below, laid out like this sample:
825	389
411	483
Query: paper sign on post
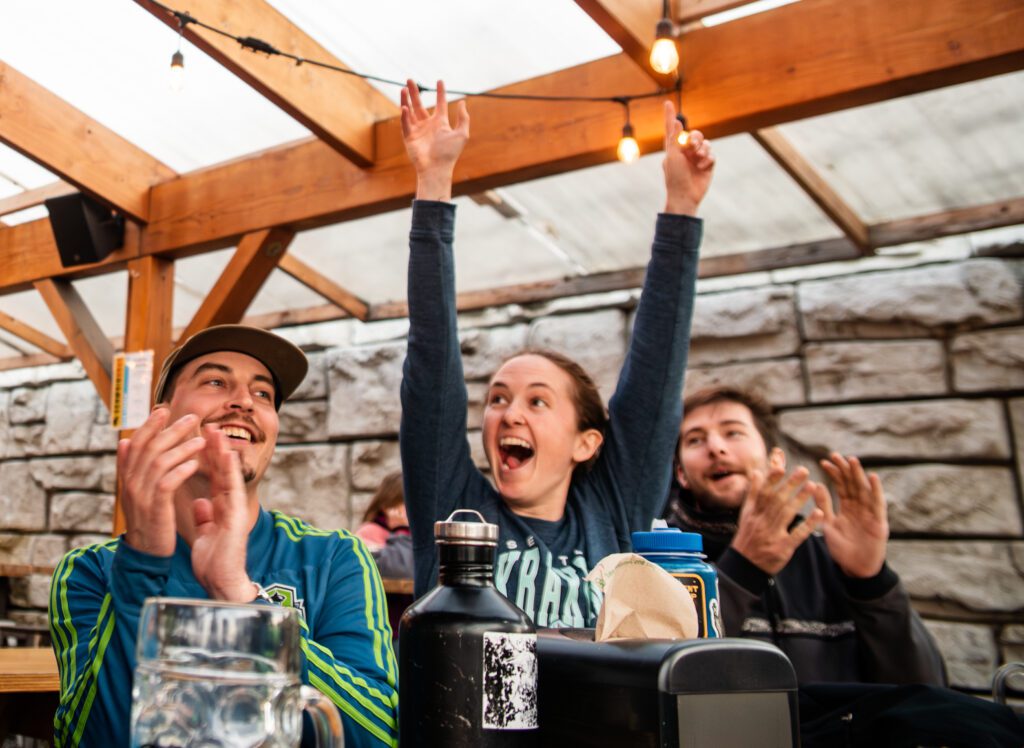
131	384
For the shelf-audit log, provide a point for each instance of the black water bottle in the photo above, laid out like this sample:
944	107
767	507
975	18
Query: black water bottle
467	656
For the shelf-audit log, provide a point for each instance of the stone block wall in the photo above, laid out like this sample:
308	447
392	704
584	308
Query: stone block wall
919	371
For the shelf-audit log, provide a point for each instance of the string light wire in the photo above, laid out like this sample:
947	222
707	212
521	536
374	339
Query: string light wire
259	45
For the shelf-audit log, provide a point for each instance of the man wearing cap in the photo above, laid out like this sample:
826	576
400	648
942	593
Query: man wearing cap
190	477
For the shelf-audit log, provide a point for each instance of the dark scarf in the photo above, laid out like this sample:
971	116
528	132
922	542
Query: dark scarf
716	527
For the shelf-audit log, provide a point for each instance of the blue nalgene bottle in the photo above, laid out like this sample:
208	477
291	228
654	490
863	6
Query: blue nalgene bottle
681	554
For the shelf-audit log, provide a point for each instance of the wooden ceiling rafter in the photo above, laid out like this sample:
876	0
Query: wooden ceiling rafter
32	198
31	335
83	333
64	140
319	283
815	186
338	109
248	269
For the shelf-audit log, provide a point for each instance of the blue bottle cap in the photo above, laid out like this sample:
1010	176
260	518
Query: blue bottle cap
667	540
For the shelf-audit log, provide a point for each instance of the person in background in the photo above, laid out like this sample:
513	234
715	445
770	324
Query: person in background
571	482
829	601
190	478
385	529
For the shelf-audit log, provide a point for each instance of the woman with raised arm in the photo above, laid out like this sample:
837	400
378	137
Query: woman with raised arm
570	482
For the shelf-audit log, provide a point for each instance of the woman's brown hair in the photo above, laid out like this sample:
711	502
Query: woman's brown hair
389	493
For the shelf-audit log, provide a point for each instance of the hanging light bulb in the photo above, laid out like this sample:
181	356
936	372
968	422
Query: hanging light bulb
177	78
664	55
684	136
628	150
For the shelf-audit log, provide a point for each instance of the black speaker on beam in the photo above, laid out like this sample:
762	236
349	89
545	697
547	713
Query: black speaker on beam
85	230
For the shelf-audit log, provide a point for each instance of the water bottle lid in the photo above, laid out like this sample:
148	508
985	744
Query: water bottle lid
478	531
667	540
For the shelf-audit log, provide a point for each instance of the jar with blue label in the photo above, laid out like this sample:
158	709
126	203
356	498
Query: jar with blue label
681	554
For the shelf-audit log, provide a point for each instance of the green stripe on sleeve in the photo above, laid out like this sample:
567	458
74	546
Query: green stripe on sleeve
97	663
352	712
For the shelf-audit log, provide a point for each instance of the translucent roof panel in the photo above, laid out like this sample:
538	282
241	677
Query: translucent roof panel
949	148
111	59
471	45
194	278
604	216
19	171
369	256
29	307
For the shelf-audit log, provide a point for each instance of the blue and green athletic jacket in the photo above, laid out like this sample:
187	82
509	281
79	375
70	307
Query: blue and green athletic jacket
97	595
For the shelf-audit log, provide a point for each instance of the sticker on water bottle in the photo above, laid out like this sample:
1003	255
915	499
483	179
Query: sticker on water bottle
510	681
694	584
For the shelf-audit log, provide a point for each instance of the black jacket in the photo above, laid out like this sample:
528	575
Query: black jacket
832	627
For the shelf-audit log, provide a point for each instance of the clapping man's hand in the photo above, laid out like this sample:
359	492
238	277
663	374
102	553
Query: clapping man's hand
222	524
764	536
857	534
153	465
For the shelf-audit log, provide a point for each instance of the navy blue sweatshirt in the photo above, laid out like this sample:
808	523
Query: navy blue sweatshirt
540	565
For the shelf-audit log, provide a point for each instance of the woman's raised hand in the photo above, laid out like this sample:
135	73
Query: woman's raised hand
688	168
432	143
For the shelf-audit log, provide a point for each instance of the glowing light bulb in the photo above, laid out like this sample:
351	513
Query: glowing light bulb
177	79
628	150
684	136
664	55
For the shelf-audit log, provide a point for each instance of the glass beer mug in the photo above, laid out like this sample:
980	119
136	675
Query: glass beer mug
223	675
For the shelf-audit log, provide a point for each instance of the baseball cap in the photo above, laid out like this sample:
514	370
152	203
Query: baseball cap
286	362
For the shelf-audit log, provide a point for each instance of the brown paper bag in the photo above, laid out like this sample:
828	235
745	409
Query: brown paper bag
641	601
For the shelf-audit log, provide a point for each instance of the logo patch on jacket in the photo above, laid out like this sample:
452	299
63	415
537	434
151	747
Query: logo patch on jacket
287	597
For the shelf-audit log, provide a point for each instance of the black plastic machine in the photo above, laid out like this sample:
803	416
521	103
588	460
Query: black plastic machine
700	693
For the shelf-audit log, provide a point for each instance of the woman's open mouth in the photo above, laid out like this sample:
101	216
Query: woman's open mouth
514	452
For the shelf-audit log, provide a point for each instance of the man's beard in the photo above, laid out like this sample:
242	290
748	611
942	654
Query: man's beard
709	501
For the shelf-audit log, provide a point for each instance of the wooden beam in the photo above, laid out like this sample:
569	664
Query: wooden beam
40	340
256	257
817	56
805	175
83	334
632	25
74	146
783	64
147	327
831	250
339	109
292	317
20	362
777	258
324	286
949	223
32	198
150	302
30	253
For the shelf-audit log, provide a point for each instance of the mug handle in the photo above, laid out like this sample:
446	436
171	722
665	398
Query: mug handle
325	717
